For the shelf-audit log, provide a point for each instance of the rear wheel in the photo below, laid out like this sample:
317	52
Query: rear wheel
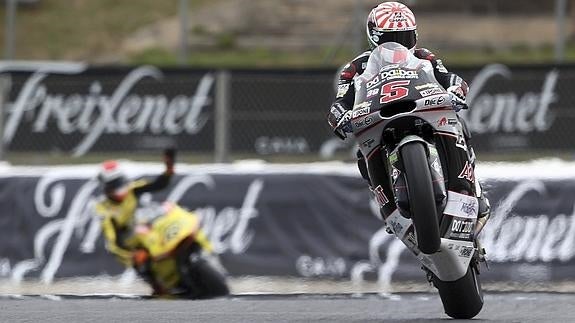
463	298
421	197
209	282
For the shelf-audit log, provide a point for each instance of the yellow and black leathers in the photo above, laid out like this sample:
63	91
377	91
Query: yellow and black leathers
118	216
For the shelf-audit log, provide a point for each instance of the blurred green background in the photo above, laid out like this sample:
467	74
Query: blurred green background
279	33
303	34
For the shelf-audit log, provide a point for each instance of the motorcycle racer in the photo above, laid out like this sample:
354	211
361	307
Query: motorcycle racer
117	206
395	22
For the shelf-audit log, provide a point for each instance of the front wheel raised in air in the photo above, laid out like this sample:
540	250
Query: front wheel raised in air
421	197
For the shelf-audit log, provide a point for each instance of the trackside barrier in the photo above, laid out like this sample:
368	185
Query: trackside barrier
312	220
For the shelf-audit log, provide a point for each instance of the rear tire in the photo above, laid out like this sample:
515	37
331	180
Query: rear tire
211	283
421	197
463	298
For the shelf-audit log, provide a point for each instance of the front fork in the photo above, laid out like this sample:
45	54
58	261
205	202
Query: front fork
389	186
399	180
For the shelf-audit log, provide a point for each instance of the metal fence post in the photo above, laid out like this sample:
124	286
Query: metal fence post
560	8
10	29
184	23
221	121
358	31
4	86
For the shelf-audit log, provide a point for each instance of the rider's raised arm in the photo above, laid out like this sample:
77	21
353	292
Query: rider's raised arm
162	181
158	184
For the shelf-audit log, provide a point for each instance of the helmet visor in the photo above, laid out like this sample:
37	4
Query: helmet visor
115	184
407	38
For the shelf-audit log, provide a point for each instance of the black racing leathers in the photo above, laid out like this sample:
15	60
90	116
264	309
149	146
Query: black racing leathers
374	169
346	92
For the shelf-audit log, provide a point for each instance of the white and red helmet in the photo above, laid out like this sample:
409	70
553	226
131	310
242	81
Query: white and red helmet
113	180
391	22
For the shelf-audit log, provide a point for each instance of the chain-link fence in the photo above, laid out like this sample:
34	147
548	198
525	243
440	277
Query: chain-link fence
281	113
74	110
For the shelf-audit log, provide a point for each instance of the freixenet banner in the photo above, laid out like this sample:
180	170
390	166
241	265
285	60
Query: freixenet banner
303	223
75	108
521	108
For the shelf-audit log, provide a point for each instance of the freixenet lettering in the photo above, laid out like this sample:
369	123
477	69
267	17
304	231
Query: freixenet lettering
508	237
95	113
546	237
228	229
308	266
265	145
509	112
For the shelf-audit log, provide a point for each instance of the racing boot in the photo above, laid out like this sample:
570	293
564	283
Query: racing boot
143	266
484	206
483	213
482	217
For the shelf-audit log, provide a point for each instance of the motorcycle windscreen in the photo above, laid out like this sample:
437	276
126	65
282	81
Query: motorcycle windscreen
391	69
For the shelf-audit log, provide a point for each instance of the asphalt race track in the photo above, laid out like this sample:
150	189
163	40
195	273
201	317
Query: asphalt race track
408	307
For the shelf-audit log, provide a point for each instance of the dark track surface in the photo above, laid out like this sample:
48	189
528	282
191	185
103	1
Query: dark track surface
499	307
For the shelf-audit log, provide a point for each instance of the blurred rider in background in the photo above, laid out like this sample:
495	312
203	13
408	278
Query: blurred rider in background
395	22
118	204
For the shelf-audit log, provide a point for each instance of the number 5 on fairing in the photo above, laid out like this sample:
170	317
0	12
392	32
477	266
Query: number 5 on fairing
394	91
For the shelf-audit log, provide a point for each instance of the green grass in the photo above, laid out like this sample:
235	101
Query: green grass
91	29
238	58
265	58
78	29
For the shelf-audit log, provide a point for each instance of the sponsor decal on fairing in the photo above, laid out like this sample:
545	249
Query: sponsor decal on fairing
444	121
342	90
461	205
467	172
380	196
373	92
395	173
362	123
436	101
430	92
360	110
461	229
427	86
461	143
436	166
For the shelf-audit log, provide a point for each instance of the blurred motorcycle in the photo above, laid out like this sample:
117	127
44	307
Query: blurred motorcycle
405	125
170	253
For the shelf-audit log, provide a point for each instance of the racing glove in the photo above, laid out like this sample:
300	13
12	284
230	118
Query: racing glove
340	120
140	258
170	159
457	97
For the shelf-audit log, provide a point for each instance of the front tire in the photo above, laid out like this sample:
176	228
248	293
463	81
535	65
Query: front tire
421	197
463	298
